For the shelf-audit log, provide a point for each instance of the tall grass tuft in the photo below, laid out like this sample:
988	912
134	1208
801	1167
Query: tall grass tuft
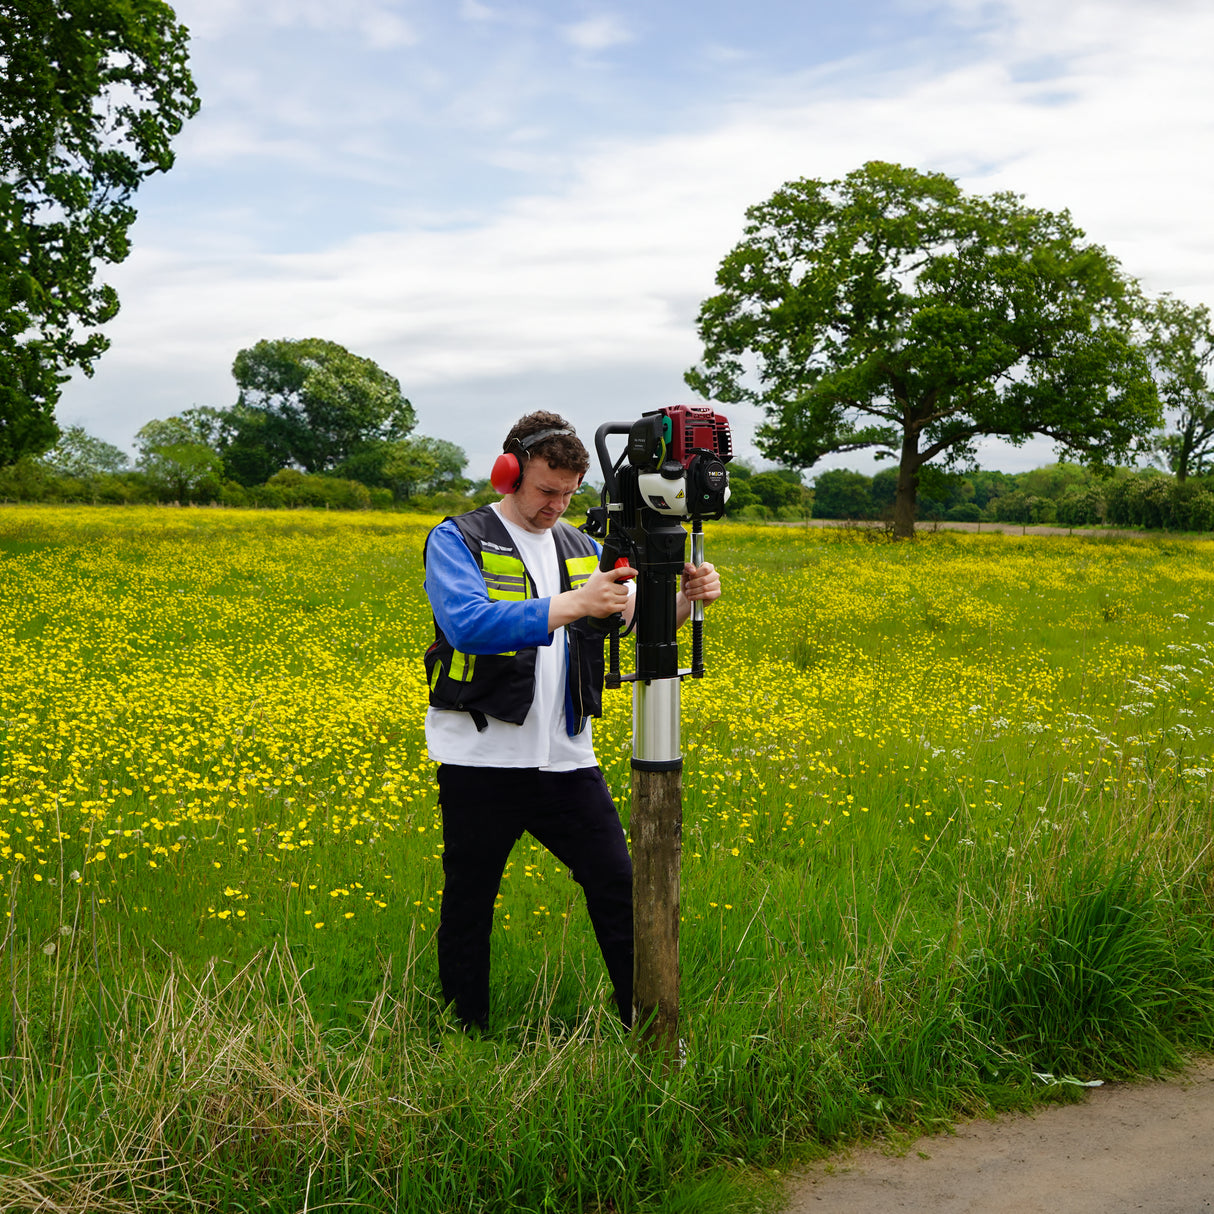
1103	975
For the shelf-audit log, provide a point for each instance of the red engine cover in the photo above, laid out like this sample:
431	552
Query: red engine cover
697	428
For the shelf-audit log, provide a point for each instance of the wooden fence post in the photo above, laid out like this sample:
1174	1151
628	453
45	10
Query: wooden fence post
657	845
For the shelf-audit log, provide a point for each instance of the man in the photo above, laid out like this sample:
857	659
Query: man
515	673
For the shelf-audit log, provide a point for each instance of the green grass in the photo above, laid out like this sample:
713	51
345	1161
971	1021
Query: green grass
947	812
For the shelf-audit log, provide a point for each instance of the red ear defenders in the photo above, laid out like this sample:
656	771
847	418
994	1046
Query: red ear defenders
507	472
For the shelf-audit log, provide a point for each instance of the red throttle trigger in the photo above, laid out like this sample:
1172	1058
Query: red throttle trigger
622	562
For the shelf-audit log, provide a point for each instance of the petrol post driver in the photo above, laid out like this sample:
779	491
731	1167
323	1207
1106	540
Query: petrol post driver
672	469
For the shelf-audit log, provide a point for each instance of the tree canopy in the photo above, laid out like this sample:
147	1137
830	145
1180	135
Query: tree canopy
91	93
1181	344
175	457
311	404
891	310
423	465
841	493
777	491
81	455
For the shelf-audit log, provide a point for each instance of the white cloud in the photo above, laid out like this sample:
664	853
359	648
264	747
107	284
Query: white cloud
473	10
377	21
598	33
385	30
594	279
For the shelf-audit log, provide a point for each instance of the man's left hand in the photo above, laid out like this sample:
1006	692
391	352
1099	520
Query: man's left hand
703	583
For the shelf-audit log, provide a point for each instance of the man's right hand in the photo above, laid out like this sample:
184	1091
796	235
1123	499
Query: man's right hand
602	594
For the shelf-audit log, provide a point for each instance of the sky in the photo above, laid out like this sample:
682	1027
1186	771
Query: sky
520	204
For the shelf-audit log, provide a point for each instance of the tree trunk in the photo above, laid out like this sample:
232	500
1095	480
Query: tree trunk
656	827
908	486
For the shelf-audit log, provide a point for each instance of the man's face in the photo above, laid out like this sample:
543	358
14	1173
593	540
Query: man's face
538	503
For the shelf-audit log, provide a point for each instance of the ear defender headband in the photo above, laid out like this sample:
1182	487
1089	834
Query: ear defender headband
507	472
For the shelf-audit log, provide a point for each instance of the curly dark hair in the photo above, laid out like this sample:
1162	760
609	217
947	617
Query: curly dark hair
563	451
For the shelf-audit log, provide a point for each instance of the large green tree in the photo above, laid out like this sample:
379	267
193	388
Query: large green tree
311	404
91	93
176	459
409	466
891	310
81	455
841	493
777	491
1181	343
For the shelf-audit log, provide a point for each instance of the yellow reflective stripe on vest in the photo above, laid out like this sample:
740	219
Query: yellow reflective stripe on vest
580	568
505	576
463	665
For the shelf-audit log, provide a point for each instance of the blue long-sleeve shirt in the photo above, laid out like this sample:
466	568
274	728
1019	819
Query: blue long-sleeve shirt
470	620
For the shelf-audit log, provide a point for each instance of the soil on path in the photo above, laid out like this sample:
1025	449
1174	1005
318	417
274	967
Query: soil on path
1147	1146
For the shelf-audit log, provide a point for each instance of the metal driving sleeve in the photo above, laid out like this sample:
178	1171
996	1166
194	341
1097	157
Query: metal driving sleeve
697	606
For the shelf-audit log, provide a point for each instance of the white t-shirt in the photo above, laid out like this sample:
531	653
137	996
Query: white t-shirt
541	740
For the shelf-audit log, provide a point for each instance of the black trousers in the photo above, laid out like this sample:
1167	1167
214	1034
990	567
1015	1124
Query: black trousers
485	811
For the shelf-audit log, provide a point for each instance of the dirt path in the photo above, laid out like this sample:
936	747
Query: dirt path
1127	1147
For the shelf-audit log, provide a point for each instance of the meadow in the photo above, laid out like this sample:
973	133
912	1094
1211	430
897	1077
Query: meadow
948	815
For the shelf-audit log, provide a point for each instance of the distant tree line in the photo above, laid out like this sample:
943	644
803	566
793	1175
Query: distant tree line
775	493
1062	494
313	425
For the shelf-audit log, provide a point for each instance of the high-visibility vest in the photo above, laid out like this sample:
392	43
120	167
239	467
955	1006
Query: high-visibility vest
502	685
